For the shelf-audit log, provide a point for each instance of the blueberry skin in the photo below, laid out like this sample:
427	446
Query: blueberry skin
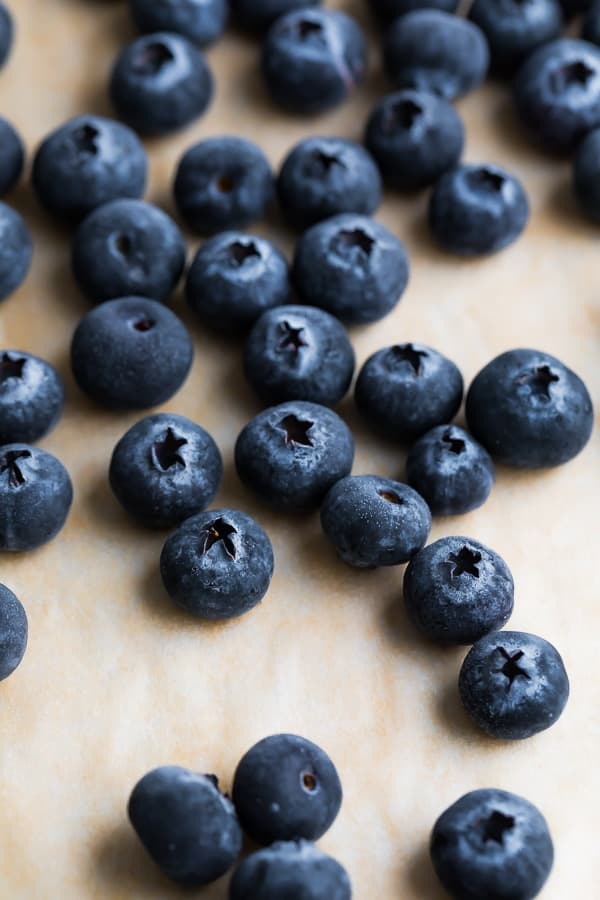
7	31
529	410
35	497
234	278
591	24
298	353
457	590
351	266
285	788
451	471
13	632
515	29
324	176
291	454
188	827
218	564
257	16
200	21
160	83
312	59
492	845
16	250
223	182
32	397
513	684
296	870
586	175
86	162
405	390
12	157
432	50
131	353
390	9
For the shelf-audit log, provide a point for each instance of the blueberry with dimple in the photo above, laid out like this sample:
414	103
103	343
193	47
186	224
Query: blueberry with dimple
515	29
296	870
201	21
16	250
12	157
586	175
258	15
32	396
218	564
591	23
13	632
285	788
7	30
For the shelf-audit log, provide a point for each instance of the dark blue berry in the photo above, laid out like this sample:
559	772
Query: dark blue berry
529	410
514	28
294	870
258	15
218	564
12	157
573	7
390	9
7	31
586	175
16	250
293	453
201	21
285	788
591	23
13	632
32	396
131	353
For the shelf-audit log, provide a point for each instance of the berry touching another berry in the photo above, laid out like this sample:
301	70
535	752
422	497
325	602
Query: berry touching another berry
200	21
294	870
32	396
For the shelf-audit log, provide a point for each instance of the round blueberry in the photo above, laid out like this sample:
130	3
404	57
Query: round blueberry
298	353
16	250
7	31
373	521
405	390
293	453
131	353
492	845
188	827
351	266
13	632
586	175
32	396
218	564
529	410
234	278
312	59
221	183
258	15
390	9
514	29
12	157
35	497
591	23
296	870
513	685
160	83
200	21
285	788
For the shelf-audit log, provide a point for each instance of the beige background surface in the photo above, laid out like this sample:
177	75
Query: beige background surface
117	681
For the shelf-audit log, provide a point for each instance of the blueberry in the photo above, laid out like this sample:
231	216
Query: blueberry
513	685
373	521
324	176
293	453
12	157
160	83
405	390
456	590
492	845
221	183
86	162
201	21
351	266
529	410
285	788
165	469
128	247
415	137
35	497
574	7
312	59
390	9
188	827
591	23
16	250
234	278
431	50
7	31
586	175
258	15
218	564
13	632
298	353
131	353
31	397
450	470
514	29
296	870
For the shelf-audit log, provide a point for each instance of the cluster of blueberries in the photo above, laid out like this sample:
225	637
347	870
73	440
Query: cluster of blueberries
524	409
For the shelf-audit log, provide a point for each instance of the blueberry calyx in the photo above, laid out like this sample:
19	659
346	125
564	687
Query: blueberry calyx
324	161
539	381
122	244
239	251
85	138
291	338
165	452
216	531
574	73
296	431
309	782
454	444
306	29
487	180
496	826
406	353
143	324
11	368
9	462
350	238
152	57
401	116
464	562
511	668
391	497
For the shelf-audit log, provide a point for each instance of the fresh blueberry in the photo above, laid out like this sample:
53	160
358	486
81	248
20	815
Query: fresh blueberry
13	632
405	390
160	83
529	410
285	788
324	176
514	28
312	59
456	590
35	497
126	248
87	162
293	453
188	827
32	396
221	183
390	9
16	250
513	685
591	24
201	21
432	50
12	157
492	845
131	353
414	137
351	266
373	521
165	469
294	870
298	353
7	30
234	278
258	15
218	564
450	470
586	175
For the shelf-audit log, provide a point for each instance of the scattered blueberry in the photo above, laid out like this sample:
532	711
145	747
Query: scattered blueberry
390	9
586	175
16	250
258	15
12	157
591	23
13	632
31	397
200	21
7	31
514	29
294	870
